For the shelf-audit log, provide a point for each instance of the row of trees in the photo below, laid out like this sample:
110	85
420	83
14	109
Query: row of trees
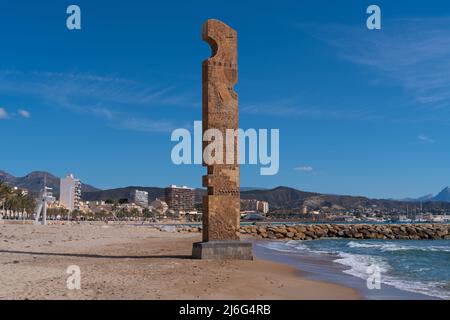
116	213
15	203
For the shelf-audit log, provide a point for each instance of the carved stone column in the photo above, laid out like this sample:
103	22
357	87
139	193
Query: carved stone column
221	206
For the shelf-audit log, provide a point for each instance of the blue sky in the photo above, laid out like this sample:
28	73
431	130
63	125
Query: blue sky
360	112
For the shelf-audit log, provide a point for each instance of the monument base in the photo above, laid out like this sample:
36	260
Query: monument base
222	250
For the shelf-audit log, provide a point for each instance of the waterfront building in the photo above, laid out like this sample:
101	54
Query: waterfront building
262	206
253	205
70	192
139	197
180	198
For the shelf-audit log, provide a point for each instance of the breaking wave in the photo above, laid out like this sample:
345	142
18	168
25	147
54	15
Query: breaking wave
413	266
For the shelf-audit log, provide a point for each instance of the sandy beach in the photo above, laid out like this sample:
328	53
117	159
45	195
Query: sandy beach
138	262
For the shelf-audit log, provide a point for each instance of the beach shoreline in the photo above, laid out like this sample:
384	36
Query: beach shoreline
321	267
129	262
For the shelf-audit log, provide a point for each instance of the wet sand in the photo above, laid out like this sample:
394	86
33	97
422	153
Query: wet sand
139	262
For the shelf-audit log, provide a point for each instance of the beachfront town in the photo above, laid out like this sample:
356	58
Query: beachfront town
178	203
181	204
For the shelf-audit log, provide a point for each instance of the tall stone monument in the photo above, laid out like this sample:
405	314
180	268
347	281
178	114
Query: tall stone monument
221	206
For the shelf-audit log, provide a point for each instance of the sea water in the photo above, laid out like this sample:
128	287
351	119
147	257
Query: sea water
421	267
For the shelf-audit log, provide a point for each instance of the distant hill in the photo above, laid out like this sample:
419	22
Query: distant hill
153	193
278	198
444	195
289	198
122	193
428	197
34	181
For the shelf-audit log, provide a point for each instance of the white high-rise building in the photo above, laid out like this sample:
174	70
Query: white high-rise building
70	192
139	197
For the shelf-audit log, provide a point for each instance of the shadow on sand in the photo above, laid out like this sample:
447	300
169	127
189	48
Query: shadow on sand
96	256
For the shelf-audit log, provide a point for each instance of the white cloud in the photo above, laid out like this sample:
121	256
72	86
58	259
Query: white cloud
146	125
292	109
112	99
423	138
411	52
3	114
24	113
305	169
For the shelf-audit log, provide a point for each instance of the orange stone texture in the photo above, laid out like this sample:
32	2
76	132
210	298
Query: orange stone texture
221	206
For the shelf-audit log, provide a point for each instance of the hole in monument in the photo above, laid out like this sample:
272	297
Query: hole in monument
214	46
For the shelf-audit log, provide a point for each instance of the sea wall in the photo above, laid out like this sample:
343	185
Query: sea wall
352	231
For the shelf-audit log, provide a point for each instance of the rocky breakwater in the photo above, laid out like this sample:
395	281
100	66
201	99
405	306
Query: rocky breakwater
351	231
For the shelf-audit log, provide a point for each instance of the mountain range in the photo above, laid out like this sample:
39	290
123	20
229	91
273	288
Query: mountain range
34	182
444	195
279	198
289	198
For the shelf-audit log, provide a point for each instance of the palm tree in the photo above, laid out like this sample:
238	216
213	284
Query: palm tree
4	192
27	204
15	201
11	202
